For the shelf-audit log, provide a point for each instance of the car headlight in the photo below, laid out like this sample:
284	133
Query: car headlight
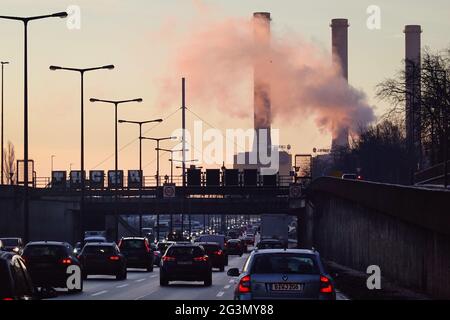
16	249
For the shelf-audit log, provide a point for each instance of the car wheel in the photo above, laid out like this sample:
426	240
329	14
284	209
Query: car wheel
222	268
122	275
150	268
208	281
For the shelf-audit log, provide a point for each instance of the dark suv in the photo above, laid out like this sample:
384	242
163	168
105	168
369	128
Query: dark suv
48	263
137	252
14	278
103	259
215	254
185	262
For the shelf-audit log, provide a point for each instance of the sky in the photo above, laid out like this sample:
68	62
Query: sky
140	36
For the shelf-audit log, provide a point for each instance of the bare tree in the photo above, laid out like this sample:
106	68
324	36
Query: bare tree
433	97
9	164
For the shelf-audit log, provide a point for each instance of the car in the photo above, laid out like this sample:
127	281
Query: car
161	248
351	176
235	247
270	244
103	258
138	252
12	244
48	262
15	280
185	262
249	239
88	239
216	254
282	274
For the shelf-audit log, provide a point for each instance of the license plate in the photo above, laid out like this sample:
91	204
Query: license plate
184	262
287	287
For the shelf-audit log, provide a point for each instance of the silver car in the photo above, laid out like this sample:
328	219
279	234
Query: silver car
283	274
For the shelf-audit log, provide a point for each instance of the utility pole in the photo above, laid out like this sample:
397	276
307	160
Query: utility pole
183	145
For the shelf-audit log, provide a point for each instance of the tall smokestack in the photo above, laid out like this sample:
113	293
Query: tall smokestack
261	78
339	44
412	77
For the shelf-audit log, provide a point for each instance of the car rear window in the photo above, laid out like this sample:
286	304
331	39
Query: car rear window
185	251
210	247
268	245
163	246
287	263
10	242
99	250
132	244
45	251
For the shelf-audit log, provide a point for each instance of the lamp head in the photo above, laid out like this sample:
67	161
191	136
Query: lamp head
109	67
60	15
54	68
93	100
138	100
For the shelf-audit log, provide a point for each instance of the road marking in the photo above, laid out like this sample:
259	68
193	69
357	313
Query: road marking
140	280
232	281
221	293
154	276
227	286
123	285
99	293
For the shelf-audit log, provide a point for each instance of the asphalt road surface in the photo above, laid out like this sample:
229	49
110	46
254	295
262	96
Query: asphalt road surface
142	285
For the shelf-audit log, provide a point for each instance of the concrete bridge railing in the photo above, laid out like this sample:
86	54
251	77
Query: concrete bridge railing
403	230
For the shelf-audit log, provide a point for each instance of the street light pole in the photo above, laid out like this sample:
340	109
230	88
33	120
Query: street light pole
25	21
157	153
3	124
116	103
82	71
140	123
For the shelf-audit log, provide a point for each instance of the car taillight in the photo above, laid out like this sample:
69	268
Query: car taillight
219	252
325	285
7	299
244	285
66	261
147	247
204	258
114	258
167	258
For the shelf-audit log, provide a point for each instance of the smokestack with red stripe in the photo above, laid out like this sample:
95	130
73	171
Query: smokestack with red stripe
339	44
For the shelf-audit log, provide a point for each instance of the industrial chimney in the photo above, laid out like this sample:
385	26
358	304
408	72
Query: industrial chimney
261	78
339	44
412	80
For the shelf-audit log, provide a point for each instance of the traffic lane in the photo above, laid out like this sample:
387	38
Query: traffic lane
102	287
145	285
221	288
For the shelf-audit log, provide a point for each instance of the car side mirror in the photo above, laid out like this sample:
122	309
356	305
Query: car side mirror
233	272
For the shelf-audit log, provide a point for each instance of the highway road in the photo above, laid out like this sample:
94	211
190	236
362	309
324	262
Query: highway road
142	285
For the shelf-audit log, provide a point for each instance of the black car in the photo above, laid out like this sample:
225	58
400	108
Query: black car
15	282
103	259
215	254
138	252
235	247
185	262
48	263
12	244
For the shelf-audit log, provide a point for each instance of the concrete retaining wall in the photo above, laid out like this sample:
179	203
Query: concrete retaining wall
405	231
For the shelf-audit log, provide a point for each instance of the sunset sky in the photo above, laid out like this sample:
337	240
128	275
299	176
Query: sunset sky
140	36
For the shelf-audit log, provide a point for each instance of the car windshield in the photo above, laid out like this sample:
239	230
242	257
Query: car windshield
132	244
45	251
185	251
286	263
100	250
10	242
98	239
